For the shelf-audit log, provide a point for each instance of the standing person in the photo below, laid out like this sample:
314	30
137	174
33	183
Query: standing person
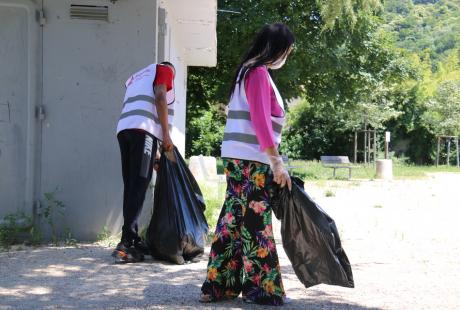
146	118
243	255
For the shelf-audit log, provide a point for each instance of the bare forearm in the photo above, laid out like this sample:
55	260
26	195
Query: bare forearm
272	151
162	110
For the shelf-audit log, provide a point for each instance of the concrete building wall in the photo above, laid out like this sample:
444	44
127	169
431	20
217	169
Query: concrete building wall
85	66
61	97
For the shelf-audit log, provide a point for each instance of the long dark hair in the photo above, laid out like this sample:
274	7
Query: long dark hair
270	44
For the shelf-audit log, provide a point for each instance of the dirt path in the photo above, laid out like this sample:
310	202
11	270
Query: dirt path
401	237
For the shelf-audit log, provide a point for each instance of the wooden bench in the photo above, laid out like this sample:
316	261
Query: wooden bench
287	164
337	162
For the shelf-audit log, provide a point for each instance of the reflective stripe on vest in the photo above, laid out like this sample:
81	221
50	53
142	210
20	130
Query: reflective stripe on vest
246	115
139	109
145	98
240	140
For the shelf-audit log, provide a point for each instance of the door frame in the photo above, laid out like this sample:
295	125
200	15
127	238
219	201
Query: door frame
34	78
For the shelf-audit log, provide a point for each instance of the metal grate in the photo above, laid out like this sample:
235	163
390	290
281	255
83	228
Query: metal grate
89	12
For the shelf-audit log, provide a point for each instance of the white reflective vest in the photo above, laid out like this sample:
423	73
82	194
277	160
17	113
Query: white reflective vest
240	140
139	109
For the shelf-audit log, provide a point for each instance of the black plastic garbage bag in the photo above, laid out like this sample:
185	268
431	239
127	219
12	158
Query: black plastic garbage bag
178	228
310	238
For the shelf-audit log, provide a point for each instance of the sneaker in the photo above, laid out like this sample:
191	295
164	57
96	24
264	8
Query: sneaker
140	246
125	253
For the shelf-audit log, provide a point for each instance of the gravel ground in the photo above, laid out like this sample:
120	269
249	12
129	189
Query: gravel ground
401	237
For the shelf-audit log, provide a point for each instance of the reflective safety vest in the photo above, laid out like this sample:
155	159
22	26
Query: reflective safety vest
240	140
139	109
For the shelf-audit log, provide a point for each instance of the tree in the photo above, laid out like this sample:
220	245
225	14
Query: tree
335	53
442	116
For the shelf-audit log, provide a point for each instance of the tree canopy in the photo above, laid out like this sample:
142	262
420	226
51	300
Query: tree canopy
355	61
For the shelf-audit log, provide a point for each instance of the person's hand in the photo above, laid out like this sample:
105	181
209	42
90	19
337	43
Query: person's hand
156	163
280	174
167	142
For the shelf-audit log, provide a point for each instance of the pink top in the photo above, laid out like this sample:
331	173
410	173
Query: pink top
262	105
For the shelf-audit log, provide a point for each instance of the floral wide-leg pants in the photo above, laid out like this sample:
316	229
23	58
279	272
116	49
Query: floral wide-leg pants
243	256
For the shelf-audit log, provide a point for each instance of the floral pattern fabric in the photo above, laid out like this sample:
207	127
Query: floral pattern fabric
243	257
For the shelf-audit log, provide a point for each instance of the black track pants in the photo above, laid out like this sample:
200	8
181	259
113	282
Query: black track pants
138	149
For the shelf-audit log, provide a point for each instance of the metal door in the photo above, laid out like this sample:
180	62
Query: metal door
90	49
19	77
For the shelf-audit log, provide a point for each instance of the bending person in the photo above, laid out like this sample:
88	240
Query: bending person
144	120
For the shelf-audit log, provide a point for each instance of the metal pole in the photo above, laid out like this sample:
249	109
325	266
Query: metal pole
365	143
364	147
437	151
375	146
386	149
369	150
456	147
355	154
448	151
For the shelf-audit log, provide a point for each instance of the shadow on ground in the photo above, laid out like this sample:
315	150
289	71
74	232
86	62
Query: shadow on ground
85	277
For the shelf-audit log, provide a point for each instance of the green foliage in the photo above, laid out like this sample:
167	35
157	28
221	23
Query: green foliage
214	194
314	171
13	227
330	63
431	27
313	130
52	208
104	234
346	11
205	132
69	239
442	116
391	67
19	227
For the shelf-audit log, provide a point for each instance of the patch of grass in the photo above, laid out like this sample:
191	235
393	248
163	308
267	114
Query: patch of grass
214	195
105	233
220	166
50	210
378	206
14	227
409	171
107	239
69	239
329	193
315	171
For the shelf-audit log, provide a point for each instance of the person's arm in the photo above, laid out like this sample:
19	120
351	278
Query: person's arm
258	89
162	110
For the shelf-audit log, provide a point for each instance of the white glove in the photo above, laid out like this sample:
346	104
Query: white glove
280	174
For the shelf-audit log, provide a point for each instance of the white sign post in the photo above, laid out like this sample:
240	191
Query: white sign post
387	141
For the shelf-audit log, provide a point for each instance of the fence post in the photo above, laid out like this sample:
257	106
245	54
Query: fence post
448	151
456	147
355	155
437	152
375	146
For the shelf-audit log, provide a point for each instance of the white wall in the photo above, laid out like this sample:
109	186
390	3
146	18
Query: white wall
191	41
174	54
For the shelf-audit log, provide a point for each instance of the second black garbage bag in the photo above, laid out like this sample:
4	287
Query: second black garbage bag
310	238
178	228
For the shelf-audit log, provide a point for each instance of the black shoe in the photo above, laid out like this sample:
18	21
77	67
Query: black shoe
125	253
140	246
